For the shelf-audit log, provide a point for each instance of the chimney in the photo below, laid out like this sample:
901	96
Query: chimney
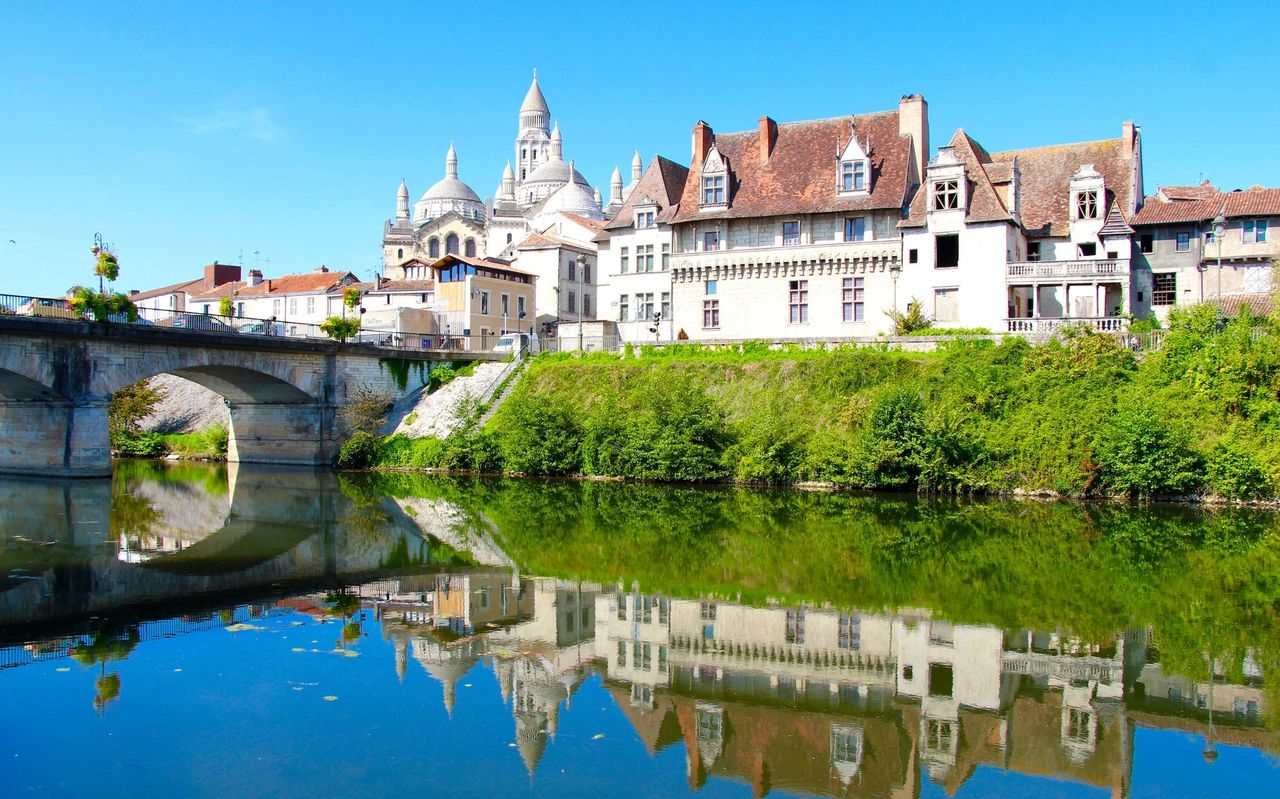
215	274
1131	148
255	277
913	121
268	285
768	136
1128	137
702	138
323	268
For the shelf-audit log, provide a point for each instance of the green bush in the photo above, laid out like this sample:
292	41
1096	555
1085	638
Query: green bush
439	376
1143	454
1232	470
359	451
540	436
894	440
139	445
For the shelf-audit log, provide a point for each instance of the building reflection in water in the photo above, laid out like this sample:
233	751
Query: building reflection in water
818	700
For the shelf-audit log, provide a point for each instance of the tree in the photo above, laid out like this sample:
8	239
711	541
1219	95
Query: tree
130	405
226	308
340	328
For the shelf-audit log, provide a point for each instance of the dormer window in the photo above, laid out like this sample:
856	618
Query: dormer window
853	175
1087	204
644	218
713	190
946	195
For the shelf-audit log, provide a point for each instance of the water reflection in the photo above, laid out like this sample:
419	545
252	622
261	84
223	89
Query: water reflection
814	696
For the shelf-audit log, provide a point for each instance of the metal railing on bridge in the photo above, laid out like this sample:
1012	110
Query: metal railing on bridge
189	321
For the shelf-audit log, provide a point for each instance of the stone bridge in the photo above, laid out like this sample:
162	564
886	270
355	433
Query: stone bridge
57	378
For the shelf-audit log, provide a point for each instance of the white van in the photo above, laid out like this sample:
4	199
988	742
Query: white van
513	342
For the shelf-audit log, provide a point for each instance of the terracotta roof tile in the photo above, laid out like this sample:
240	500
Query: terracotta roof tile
800	173
188	286
539	241
1161	209
305	283
595	225
491	263
1259	304
1045	177
662	182
1255	201
389	286
1204	191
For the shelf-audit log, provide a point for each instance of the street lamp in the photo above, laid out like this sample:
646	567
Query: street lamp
582	297
895	271
1219	231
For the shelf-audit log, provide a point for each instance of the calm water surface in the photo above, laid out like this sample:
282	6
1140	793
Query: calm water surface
210	631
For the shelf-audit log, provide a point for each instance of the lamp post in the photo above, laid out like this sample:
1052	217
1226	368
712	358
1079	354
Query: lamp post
1219	231
895	271
582	297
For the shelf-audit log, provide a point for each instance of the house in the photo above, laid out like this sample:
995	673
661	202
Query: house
296	302
1178	256
1025	240
162	303
635	252
562	255
481	298
791	230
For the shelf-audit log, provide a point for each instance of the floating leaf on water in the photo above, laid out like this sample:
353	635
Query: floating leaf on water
597	736
297	649
331	698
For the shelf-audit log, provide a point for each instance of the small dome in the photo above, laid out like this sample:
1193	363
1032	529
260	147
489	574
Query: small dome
507	174
533	100
555	171
403	191
573	198
451	189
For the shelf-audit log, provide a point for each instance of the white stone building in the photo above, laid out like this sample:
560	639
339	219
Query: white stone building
635	251
791	230
563	257
1026	240
294	302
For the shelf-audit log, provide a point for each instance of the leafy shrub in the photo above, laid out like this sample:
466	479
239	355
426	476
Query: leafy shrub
894	439
141	445
1143	454
768	450
359	451
440	376
1233	471
340	328
473	450
540	436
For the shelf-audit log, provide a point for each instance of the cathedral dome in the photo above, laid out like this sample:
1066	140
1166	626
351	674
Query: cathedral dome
571	198
450	194
451	189
555	171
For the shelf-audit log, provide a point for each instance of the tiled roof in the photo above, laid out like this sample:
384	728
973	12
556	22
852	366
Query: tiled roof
1259	304
391	286
662	182
1254	201
187	286
542	241
982	204
1204	191
490	263
595	225
1115	224
305	283
800	174
1045	177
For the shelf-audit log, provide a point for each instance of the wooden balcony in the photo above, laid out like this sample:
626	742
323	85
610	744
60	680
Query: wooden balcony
1084	269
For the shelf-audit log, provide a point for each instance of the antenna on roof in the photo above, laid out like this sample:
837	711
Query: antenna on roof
255	259
241	257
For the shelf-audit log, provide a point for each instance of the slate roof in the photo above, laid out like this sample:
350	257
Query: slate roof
799	177
662	182
1045	177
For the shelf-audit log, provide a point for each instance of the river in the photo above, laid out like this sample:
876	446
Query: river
206	630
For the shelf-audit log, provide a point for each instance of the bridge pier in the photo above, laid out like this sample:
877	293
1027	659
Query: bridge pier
56	439
299	435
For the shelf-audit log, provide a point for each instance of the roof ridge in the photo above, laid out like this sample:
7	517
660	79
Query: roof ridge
1115	139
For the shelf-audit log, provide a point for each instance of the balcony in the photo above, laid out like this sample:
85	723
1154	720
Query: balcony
1049	326
1089	269
878	252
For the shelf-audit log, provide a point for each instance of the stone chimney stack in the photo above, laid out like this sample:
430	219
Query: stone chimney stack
913	121
215	274
255	277
768	137
702	138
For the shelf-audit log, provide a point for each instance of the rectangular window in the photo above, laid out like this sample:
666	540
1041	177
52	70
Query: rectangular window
644	219
850	633
573	269
913	256
1088	249
644	306
712	286
790	233
644	258
1183	242
855	228
946	195
506	304
520	307
798	301
311	305
711	240
1253	231
625	260
1164	288
666	305
666	257
1147	243
851	299
859	175
622	608
710	313
484	302
293	306
573	302
713	190
1033	251
795	626
586	273
707	611
622	653
1087	204
946	305
846	176
586	305
624	307
941	679
948	251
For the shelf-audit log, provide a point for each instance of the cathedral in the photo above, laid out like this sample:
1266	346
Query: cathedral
450	218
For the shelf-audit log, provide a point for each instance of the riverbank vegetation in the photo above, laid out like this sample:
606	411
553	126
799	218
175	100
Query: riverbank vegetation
1081	415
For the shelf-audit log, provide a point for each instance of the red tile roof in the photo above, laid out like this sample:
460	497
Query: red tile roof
185	286
1045	176
662	182
1204	191
305	283
542	241
1162	209
490	263
799	175
983	203
1259	304
595	225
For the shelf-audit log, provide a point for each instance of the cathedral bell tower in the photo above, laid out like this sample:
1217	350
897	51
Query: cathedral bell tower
534	139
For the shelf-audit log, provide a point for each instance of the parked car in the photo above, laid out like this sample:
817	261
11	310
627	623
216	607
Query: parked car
262	327
202	322
514	342
47	307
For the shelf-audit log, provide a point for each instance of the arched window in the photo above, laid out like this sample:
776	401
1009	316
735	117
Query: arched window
400	252
433	247
508	238
451	244
471	248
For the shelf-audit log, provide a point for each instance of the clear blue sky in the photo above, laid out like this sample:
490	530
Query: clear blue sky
188	132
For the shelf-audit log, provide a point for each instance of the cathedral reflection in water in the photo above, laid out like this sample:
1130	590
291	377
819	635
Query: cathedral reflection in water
827	701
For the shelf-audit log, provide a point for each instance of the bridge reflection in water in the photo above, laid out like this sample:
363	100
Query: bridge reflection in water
815	699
